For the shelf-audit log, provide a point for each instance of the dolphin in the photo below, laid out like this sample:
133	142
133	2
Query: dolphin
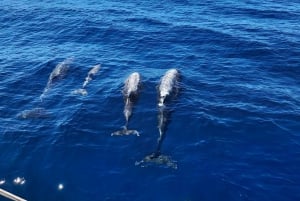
91	74
130	91
58	73
35	113
168	85
88	78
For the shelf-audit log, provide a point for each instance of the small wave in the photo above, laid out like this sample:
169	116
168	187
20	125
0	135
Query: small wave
145	21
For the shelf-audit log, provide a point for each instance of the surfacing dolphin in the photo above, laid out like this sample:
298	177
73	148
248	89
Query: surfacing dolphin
58	73
130	92
168	85
88	78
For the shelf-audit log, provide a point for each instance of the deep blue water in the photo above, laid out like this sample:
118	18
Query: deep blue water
233	128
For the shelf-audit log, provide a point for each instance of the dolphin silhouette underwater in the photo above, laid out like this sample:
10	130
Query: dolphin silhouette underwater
35	113
88	78
167	88
57	73
130	92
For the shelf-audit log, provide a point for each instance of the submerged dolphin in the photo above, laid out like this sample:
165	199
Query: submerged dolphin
167	86
156	158
88	78
58	73
34	113
130	92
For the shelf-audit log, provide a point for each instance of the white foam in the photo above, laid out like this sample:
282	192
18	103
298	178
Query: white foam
2	181
19	181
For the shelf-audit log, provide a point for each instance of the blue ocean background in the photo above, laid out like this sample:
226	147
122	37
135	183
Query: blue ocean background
233	128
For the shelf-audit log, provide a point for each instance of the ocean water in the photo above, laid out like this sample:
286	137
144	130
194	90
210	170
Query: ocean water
233	127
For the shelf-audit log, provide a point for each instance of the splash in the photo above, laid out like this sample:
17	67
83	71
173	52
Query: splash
157	159
19	181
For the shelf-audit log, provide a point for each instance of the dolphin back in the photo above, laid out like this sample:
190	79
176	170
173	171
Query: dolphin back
132	83
57	73
167	84
60	69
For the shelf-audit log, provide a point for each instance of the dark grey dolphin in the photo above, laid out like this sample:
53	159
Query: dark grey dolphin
130	91
168	85
58	73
